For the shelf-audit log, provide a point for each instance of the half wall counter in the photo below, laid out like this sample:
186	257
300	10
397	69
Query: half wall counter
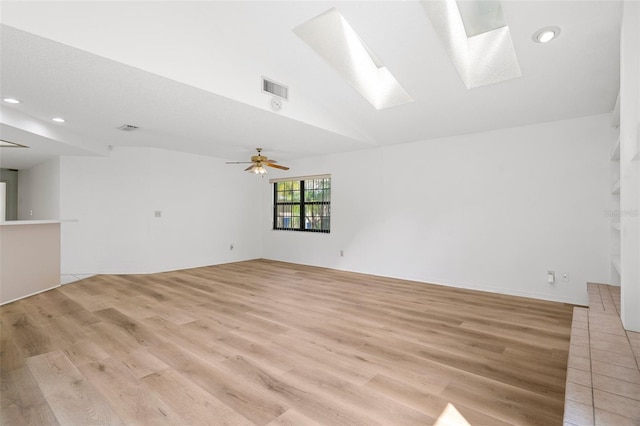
29	258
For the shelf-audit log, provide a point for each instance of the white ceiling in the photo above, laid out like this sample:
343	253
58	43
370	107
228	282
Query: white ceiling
189	75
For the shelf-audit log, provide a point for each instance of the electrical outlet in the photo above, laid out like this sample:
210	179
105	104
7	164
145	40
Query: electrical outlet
565	277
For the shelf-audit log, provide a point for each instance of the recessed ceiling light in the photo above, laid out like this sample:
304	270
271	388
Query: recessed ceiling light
58	120
11	100
546	34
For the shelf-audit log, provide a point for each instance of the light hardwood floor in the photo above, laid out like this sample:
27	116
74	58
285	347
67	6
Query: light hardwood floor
264	342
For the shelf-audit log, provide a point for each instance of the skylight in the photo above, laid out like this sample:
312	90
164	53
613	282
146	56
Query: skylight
481	16
331	37
477	38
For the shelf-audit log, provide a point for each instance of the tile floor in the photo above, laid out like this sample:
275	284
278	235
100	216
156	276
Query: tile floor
603	374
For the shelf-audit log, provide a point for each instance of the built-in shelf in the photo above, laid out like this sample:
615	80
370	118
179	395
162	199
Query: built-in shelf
636	155
615	153
615	114
615	261
616	233
615	189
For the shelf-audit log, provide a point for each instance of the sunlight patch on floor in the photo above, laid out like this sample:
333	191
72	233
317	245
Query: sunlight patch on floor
451	417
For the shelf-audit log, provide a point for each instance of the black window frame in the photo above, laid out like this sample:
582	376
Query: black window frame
303	204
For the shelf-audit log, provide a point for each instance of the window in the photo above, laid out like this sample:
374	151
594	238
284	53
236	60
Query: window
303	204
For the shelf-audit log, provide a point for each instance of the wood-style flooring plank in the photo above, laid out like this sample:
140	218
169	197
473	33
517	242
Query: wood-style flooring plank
327	409
72	399
427	403
22	401
128	396
270	343
239	395
293	418
362	399
195	405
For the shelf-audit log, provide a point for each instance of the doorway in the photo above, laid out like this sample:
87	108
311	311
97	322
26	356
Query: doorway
10	178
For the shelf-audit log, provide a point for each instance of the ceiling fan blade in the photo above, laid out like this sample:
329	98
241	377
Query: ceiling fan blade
276	166
258	162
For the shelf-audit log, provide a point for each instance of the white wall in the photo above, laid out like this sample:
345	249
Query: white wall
205	207
39	191
630	165
491	211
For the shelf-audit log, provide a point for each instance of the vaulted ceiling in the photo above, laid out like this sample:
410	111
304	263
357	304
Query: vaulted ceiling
188	74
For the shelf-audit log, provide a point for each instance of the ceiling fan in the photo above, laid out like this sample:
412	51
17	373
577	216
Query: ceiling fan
258	162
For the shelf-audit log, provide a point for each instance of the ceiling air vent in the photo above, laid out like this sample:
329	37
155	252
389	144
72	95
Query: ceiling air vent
276	89
127	128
